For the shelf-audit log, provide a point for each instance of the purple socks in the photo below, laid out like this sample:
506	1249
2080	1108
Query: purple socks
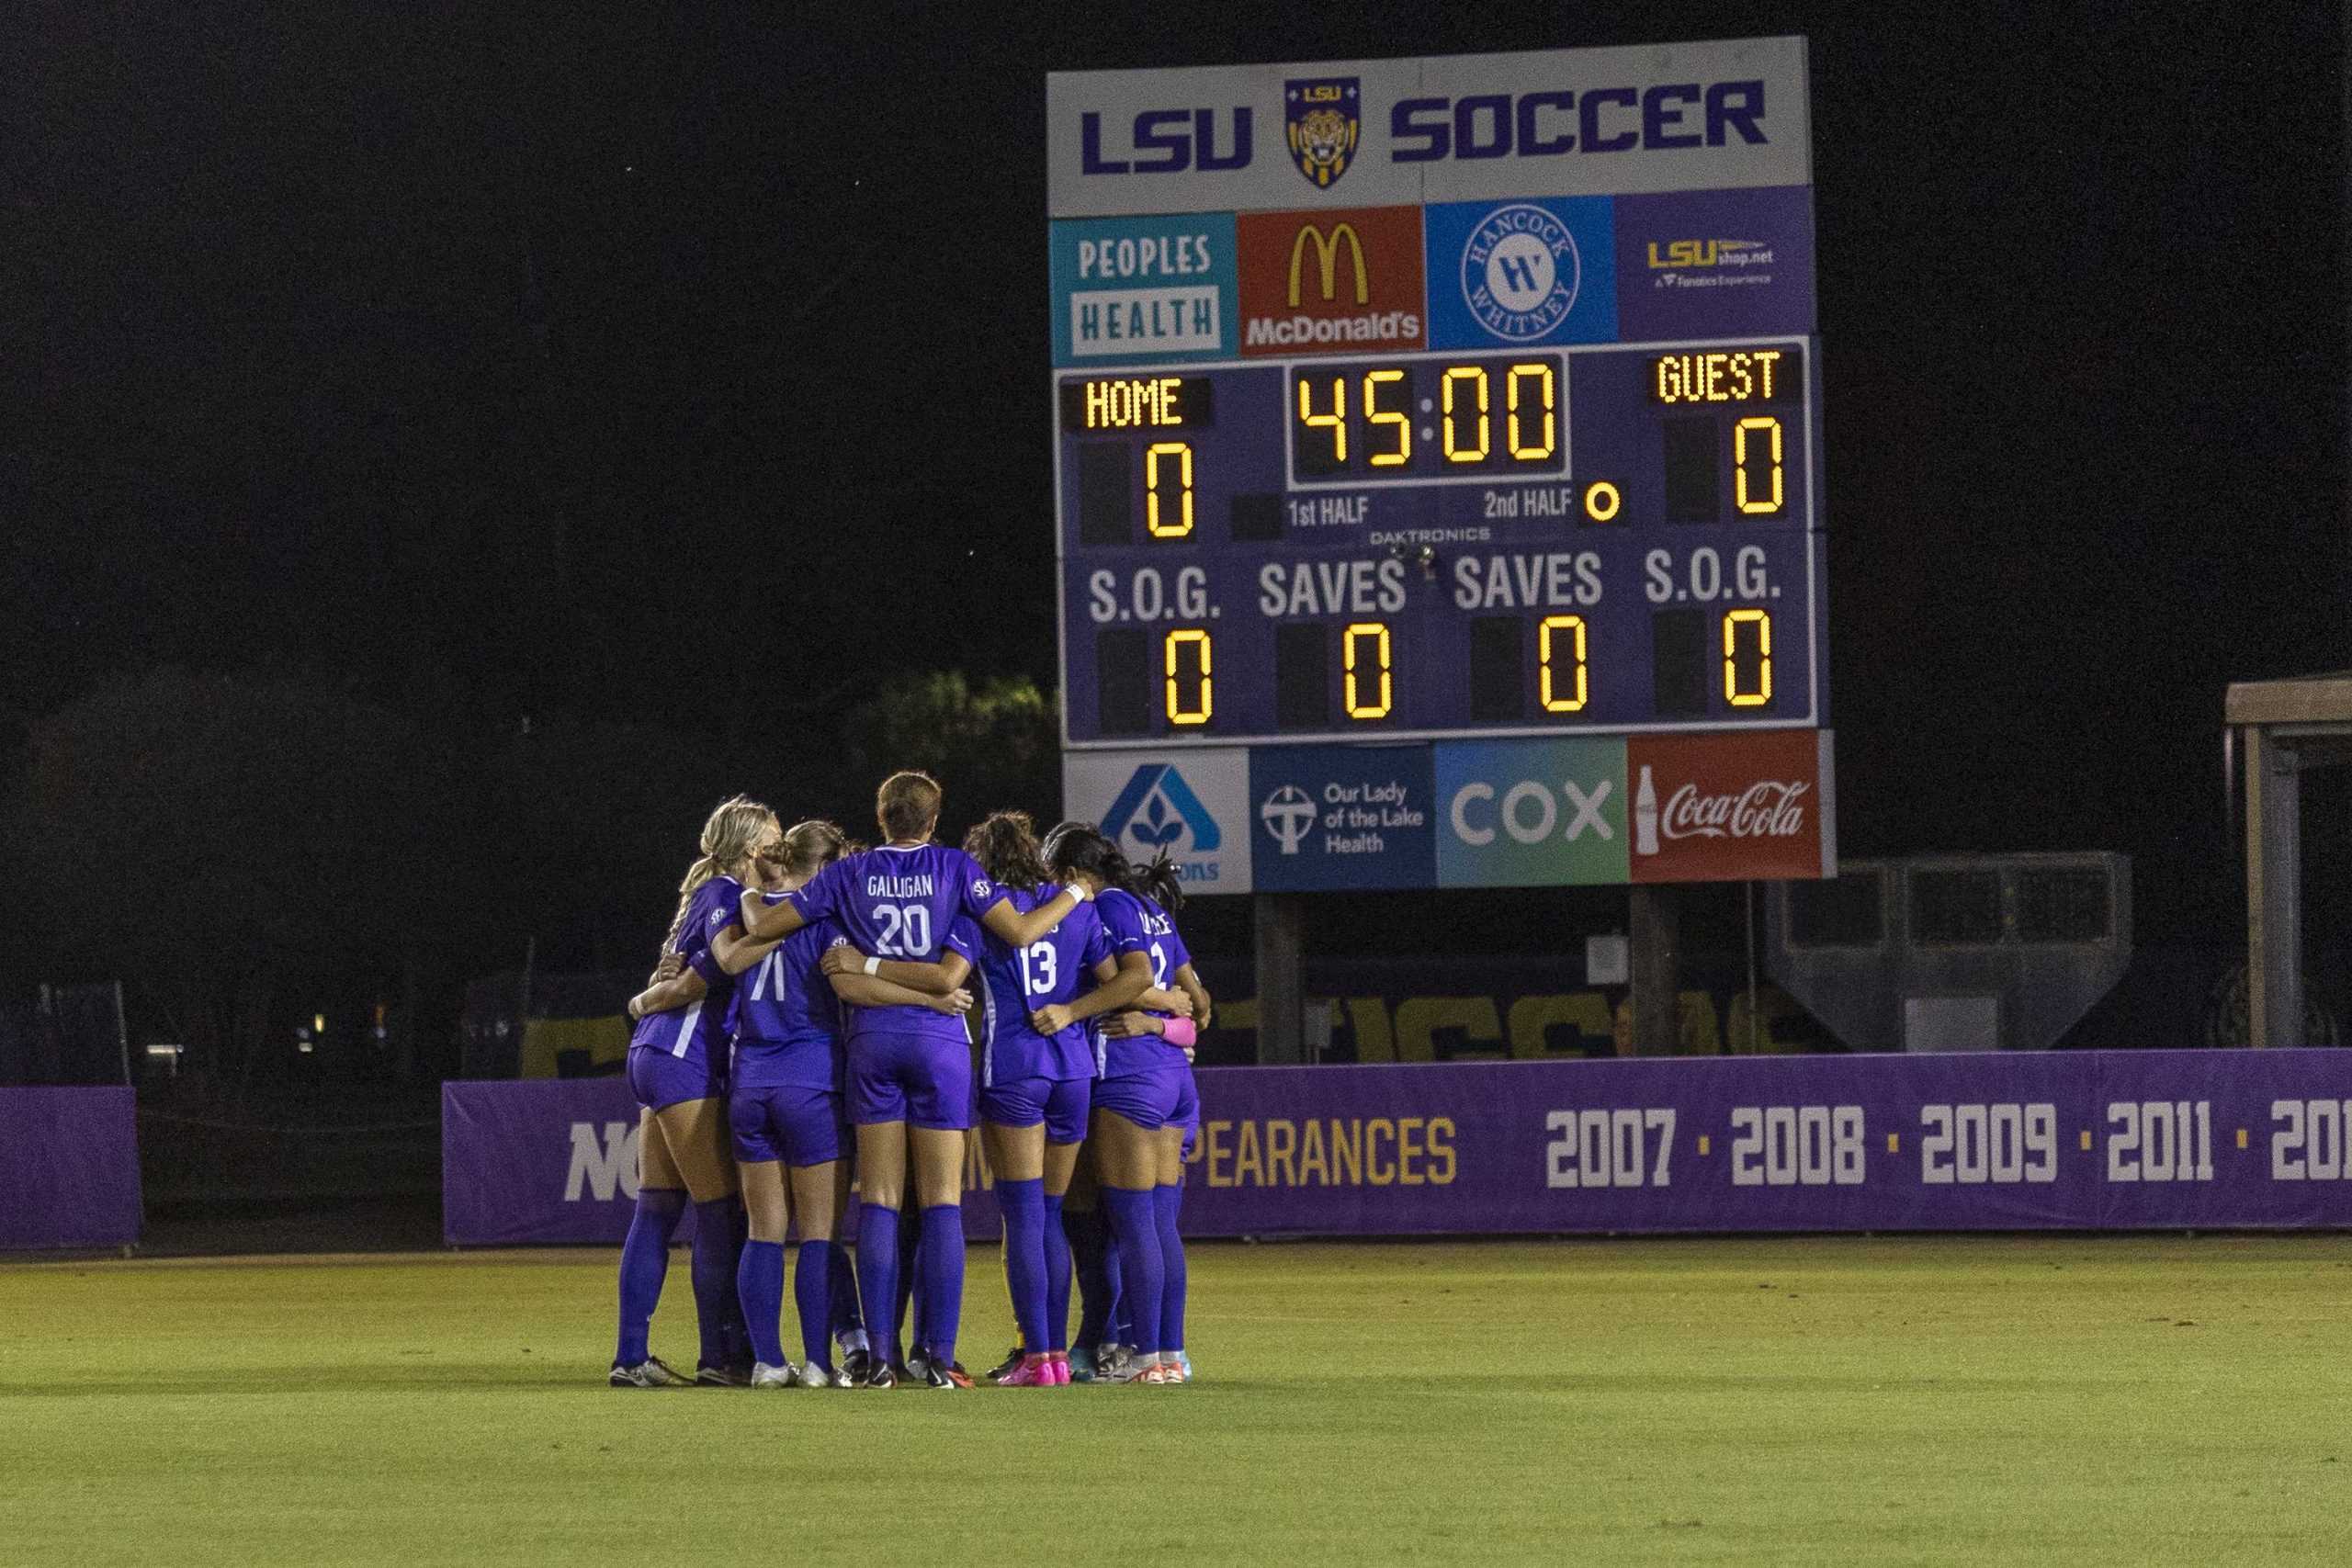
1024	1203
1142	1279
1166	1203
719	1244
940	1302
759	1281
812	1294
645	1261
1057	1281
877	1272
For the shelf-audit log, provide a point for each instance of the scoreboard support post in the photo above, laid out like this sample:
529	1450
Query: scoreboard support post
1654	930
1281	932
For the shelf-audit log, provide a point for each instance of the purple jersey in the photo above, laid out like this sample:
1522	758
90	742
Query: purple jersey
787	1022
1136	924
697	1031
903	905
1016	982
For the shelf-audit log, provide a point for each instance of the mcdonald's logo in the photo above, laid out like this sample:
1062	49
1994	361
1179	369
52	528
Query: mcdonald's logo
1333	281
1327	260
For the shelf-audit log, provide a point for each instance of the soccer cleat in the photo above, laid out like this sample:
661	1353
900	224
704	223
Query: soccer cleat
1059	1364
1010	1365
814	1376
724	1377
1185	1363
918	1366
1081	1362
1034	1372
1159	1373
652	1372
1117	1363
934	1375
857	1366
882	1374
766	1376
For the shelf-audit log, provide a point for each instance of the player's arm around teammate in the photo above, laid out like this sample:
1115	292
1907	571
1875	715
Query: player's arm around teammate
785	1113
676	1067
1142	1103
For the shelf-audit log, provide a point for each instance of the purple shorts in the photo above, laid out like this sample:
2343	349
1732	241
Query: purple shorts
658	1079
800	1126
910	1077
1061	1104
1163	1097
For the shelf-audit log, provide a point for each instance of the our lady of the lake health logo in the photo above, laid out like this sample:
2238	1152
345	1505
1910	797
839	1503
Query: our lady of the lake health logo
1321	119
1520	272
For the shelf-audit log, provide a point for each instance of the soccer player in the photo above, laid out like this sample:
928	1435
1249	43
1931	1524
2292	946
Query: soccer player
1036	1088
784	1105
1144	1097
899	905
677	1068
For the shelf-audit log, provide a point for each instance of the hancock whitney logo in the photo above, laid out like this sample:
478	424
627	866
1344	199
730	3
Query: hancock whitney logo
1289	815
1520	272
1156	809
1322	119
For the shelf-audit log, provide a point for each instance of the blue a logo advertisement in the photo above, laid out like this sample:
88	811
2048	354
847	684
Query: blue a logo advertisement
1321	119
1157	812
1521	272
1193	808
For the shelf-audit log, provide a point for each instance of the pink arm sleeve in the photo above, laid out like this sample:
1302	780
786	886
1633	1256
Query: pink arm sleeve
1178	1030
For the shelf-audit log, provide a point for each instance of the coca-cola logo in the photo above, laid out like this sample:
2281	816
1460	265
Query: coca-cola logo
1769	808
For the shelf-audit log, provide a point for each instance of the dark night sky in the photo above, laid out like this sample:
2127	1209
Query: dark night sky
398	340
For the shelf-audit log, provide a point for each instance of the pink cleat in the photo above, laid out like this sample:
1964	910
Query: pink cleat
1034	1372
1058	1363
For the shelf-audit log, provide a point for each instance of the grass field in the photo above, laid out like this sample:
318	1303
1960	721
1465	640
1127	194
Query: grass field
1943	1400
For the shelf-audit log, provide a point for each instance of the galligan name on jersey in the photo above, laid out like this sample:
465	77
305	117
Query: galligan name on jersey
886	887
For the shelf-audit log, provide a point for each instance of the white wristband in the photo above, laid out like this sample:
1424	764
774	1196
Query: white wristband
874	966
1076	890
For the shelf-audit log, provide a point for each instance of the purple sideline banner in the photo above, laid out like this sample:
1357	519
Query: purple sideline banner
2060	1141
70	1166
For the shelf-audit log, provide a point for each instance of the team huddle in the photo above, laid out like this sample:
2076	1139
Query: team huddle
817	1008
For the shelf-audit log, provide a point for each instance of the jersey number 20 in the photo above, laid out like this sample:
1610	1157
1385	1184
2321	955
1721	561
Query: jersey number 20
906	930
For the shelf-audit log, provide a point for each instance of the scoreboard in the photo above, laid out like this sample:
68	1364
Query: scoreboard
1441	543
1417	403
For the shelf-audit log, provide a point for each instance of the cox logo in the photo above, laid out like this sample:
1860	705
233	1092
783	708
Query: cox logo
1529	811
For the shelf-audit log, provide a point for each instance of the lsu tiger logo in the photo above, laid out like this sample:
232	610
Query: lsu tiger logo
1322	119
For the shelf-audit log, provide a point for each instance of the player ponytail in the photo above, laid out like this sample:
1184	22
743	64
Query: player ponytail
1074	846
1158	882
734	826
810	847
1005	843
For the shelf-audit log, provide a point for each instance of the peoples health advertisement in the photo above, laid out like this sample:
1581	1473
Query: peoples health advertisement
2026	1141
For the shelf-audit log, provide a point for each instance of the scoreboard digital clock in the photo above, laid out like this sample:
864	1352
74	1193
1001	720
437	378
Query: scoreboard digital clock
1437	467
1608	537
